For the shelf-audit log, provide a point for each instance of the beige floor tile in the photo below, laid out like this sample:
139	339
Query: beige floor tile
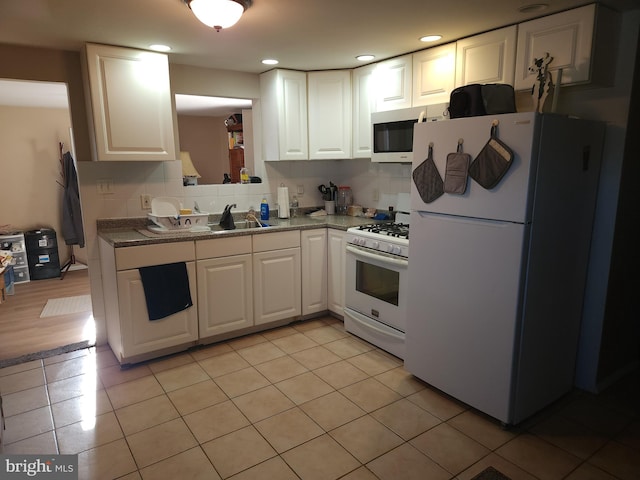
320	459
146	414
288	429
307	325
20	367
437	403
281	368
332	410
401	381
406	463
316	357
209	351
274	468
241	382
172	361
484	430
24	400
503	466
238	451
374	362
215	421
618	460
114	375
192	464
279	332
135	391
263	403
260	353
348	347
294	343
340	374
112	460
325	334
196	397
160	442
27	424
181	377
105	358
81	436
449	448
630	436
304	387
42	444
370	394
593	412
587	471
70	368
246	341
570	436
63	357
132	476
23	380
222	364
405	418
365	438
71	387
362	473
538	457
83	408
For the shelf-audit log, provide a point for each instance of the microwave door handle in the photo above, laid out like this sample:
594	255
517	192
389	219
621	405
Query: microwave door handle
380	258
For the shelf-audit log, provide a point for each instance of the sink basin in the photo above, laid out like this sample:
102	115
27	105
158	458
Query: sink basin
240	225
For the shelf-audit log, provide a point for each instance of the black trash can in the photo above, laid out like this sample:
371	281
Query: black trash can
42	253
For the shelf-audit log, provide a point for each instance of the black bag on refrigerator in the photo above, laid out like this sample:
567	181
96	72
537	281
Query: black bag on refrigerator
476	100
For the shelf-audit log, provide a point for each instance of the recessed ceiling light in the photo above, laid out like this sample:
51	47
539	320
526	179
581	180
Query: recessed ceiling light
365	58
430	38
160	48
534	7
270	61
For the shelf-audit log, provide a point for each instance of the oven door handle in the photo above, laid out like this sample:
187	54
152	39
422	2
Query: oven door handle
370	326
380	258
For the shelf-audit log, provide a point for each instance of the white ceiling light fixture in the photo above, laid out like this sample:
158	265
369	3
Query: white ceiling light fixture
218	14
365	57
157	47
270	61
430	38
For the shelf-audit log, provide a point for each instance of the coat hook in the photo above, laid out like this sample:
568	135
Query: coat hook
495	123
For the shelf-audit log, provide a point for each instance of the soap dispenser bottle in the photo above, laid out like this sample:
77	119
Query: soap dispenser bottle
264	210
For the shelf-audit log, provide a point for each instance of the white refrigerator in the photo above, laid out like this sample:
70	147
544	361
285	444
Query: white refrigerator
497	277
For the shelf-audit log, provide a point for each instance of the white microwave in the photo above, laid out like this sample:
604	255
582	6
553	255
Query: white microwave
392	131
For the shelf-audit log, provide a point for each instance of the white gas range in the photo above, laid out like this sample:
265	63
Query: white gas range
377	281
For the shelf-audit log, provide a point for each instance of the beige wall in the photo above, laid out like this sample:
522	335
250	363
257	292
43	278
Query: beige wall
205	138
31	170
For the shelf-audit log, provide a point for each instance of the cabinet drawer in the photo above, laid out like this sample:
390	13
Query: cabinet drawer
276	241
223	247
147	255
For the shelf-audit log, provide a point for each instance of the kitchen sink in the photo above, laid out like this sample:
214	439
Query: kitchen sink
240	225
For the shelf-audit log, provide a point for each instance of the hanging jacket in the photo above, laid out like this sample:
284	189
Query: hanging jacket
72	229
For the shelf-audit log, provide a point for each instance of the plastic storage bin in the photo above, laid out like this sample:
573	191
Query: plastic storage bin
42	253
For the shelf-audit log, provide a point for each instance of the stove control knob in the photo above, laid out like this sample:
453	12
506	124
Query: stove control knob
394	249
375	244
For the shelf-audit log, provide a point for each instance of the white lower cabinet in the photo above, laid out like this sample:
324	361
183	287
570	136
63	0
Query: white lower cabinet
276	276
131	335
225	285
314	270
336	244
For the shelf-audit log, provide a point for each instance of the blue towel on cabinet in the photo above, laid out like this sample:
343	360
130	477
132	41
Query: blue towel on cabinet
166	289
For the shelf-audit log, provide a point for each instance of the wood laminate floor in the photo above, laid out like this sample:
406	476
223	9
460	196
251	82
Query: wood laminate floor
22	331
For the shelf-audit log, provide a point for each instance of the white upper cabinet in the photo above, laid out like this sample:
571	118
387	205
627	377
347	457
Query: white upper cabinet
364	103
283	95
392	81
487	58
581	45
129	101
329	97
433	74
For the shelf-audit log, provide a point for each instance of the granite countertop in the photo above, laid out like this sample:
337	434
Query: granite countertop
132	231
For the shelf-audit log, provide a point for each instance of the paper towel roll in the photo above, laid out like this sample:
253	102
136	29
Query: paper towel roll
283	202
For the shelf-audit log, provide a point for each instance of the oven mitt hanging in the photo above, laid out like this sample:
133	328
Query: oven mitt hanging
456	171
427	179
492	162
